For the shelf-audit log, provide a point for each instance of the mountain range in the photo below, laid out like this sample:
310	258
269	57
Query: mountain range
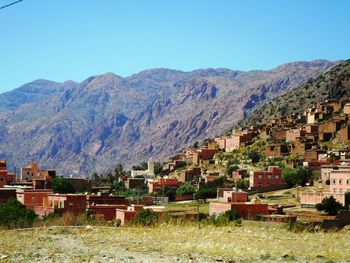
80	128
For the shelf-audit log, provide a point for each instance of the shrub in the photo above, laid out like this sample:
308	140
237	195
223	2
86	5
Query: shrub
232	215
202	217
147	217
329	205
13	214
117	223
225	218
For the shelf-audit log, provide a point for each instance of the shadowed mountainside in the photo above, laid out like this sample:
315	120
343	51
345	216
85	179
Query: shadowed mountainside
91	126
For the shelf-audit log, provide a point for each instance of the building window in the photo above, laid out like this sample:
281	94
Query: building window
260	176
33	199
347	181
333	181
269	176
340	181
1	179
277	177
27	173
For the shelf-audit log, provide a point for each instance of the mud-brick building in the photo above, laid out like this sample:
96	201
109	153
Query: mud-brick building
62	203
5	177
246	210
32	197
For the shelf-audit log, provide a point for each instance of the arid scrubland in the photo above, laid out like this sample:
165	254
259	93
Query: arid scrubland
251	242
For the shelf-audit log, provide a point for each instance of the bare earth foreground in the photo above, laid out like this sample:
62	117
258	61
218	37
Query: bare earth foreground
252	242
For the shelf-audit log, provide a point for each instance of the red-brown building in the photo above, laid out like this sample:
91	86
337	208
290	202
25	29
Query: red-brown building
271	177
234	196
106	212
158	185
245	210
5	177
189	174
62	203
133	183
32	172
239	174
129	214
105	199
294	134
32	197
204	155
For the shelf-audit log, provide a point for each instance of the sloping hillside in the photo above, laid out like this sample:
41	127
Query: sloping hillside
334	84
91	126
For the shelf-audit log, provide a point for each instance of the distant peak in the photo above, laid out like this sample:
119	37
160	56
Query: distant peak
110	76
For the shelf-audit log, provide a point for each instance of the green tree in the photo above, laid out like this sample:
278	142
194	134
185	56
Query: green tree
220	182
118	172
158	168
205	193
254	156
185	189
14	214
96	179
329	205
296	176
242	184
62	185
142	167
230	169
220	156
170	193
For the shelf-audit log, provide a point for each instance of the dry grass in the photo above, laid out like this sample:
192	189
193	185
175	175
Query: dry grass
188	207
252	242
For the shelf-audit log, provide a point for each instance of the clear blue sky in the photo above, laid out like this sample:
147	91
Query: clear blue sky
74	39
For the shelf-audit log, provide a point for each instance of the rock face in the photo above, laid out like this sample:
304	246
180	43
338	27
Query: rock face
333	84
91	126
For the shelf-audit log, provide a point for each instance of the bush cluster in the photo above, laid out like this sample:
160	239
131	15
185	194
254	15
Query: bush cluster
13	214
146	217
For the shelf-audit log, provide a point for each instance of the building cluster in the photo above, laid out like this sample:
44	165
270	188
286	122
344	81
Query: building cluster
232	199
304	135
334	181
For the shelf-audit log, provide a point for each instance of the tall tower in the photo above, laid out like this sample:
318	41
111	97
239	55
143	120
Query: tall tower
150	167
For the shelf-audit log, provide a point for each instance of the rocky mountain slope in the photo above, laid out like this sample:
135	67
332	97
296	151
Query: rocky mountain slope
334	84
91	126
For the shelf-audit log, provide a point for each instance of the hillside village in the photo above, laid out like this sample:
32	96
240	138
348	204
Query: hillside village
307	152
